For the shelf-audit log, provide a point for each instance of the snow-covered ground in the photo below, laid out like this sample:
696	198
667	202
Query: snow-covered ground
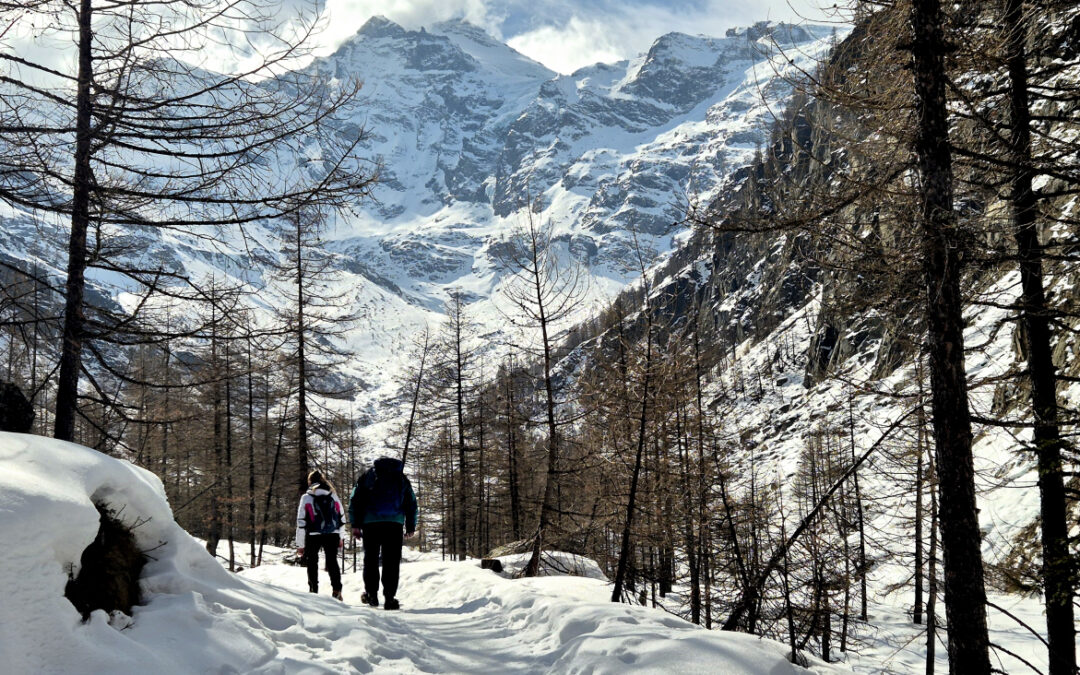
458	618
199	618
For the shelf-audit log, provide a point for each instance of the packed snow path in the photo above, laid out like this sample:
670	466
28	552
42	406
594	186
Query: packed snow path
457	618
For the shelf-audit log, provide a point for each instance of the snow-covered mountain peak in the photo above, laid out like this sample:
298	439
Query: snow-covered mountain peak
683	70
780	33
454	46
402	49
380	27
494	54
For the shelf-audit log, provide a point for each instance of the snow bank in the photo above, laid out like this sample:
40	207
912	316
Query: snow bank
198	618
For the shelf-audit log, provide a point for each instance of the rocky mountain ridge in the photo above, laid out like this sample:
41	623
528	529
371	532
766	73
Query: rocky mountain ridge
468	132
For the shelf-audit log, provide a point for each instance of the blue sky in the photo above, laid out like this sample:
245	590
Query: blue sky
565	35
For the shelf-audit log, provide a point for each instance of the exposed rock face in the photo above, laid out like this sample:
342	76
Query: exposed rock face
16	412
109	571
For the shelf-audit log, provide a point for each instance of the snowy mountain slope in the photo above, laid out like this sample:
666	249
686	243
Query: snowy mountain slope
773	402
467	131
198	618
605	150
470	131
779	417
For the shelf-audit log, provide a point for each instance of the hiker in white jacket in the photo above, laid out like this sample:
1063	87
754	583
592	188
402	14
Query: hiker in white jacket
319	521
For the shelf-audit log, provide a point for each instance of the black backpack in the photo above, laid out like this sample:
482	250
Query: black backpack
327	520
385	491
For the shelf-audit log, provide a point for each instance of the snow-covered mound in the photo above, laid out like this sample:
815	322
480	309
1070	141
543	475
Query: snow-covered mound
198	618
553	563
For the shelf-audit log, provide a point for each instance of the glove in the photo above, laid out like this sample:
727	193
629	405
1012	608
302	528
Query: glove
409	535
357	532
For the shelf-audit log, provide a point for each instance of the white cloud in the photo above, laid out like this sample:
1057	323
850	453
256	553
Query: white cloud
579	43
586	39
562	34
565	35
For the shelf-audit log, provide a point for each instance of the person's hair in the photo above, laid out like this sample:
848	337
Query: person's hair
317	477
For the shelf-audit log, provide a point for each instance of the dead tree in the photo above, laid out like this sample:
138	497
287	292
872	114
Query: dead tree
543	296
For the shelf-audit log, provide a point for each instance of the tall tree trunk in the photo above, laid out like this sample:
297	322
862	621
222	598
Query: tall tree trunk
67	385
858	512
251	457
511	442
786	586
841	526
701	488
461	522
303	448
1056	566
965	594
264	529
214	534
826	625
34	341
481	492
624	549
547	507
689	526
917	611
165	425
229	496
450	500
666	515
416	396
931	600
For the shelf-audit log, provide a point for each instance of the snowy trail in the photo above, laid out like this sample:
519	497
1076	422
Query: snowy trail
457	618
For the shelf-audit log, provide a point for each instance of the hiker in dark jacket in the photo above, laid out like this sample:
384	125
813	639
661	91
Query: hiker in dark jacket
318	527
381	503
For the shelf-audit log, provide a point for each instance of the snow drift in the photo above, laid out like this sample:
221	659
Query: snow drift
199	618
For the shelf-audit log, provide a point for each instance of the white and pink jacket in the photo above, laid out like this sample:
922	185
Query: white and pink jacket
306	512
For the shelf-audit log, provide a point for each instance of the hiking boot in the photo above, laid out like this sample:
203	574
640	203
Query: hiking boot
392	603
372	599
337	596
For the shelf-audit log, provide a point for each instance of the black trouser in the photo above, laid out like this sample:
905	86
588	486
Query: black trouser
329	544
387	539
